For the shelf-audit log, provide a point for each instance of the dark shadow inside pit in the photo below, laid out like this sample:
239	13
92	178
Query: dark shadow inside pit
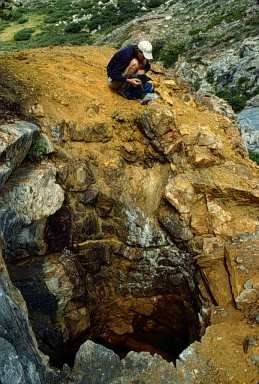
171	328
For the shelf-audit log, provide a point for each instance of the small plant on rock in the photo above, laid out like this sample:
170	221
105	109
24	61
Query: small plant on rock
254	156
38	150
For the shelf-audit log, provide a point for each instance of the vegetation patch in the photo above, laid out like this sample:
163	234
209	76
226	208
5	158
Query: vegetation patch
23	34
254	156
236	97
170	53
38	150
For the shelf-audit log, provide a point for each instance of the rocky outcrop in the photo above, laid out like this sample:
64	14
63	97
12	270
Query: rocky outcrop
20	361
27	200
16	140
248	120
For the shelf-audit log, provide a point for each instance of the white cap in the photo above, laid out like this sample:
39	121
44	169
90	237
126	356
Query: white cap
146	48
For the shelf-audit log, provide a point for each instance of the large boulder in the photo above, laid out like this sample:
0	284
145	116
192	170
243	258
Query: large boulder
96	364
30	196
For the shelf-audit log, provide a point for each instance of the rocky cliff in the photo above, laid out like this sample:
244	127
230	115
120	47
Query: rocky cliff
133	226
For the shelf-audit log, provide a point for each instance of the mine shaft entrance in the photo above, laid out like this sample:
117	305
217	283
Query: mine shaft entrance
170	329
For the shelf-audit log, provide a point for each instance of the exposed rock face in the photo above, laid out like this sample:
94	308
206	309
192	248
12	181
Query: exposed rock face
20	359
249	122
16	140
26	201
234	68
147	193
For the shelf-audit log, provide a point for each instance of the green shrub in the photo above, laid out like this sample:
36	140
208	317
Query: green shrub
254	156
23	34
210	76
154	3
235	14
198	39
236	97
22	20
38	150
195	31
169	54
157	48
73	28
215	20
13	14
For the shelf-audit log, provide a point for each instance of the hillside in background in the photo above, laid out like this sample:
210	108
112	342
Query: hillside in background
56	22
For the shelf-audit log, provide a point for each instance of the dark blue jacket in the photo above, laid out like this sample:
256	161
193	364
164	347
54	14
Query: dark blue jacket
120	61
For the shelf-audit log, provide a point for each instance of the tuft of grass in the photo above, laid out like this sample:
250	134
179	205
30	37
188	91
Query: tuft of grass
38	150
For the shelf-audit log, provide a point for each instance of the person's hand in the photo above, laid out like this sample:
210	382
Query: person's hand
134	82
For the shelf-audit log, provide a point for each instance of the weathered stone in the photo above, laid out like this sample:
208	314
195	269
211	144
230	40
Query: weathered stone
85	226
158	123
58	230
76	175
52	288
248	120
90	195
176	227
32	193
15	142
202	157
242	261
96	365
28	198
95	132
180	193
94	255
20	360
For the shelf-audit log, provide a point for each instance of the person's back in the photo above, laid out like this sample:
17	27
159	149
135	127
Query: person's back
119	62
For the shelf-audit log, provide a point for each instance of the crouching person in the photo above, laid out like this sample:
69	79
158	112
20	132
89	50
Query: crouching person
127	71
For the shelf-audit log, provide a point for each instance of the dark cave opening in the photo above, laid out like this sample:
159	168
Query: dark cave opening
173	326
